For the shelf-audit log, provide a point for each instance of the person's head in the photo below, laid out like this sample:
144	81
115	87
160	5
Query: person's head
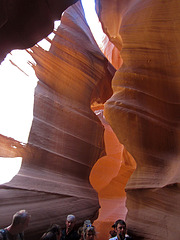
21	220
80	233
120	227
89	233
70	222
87	223
53	233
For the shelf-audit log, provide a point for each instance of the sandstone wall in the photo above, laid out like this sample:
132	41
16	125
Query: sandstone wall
143	112
144	109
66	137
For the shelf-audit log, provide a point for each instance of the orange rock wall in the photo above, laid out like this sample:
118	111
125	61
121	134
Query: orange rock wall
109	177
143	112
144	109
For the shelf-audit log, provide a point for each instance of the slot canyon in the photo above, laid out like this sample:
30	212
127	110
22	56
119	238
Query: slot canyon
104	139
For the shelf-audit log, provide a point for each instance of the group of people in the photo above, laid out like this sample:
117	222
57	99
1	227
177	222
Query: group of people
20	221
86	232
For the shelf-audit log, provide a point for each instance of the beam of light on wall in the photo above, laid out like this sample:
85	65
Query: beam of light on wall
93	21
17	85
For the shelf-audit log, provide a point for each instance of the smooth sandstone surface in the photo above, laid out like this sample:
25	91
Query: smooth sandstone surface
144	109
66	136
143	113
109	177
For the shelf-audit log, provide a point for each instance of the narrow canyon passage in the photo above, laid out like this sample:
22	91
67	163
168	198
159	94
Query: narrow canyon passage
134	77
109	177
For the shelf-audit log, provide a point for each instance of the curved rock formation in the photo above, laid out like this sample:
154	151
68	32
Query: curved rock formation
66	137
143	112
24	23
144	109
109	177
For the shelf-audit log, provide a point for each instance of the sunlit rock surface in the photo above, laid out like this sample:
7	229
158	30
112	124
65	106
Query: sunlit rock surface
24	23
144	109
111	52
116	168
66	137
143	112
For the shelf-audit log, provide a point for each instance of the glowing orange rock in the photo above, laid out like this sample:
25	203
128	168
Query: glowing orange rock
109	177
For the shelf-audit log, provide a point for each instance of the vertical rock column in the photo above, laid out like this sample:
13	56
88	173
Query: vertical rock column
144	109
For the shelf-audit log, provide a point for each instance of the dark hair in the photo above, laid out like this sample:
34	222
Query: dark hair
52	232
54	228
119	221
113	233
89	229
80	230
20	217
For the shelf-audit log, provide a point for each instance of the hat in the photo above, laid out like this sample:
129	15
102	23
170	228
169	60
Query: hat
87	223
70	218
